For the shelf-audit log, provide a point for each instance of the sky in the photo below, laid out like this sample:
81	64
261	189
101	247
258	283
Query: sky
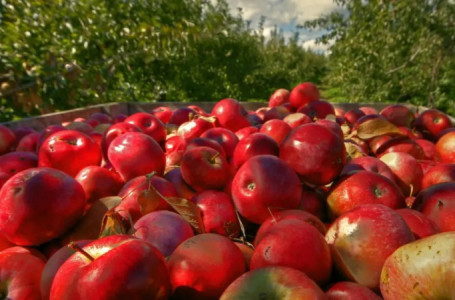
286	14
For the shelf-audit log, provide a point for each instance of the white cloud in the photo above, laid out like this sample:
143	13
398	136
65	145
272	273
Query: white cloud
278	12
312	45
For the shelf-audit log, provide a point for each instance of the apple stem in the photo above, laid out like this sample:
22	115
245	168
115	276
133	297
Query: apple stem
411	190
212	159
76	247
273	217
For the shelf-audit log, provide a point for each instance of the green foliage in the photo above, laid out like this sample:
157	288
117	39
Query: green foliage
58	54
393	50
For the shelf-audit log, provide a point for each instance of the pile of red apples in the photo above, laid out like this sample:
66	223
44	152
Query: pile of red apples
297	200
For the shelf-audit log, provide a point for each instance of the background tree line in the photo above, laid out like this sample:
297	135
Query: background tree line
56	55
76	53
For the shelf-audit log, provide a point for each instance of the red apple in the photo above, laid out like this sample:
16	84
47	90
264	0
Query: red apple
69	151
139	196
164	113
254	144
314	201
431	122
218	213
38	205
438	174
429	149
204	168
135	154
279	97
275	282
296	119
163	229
315	152
363	187
231	114
183	189
401	144
29	143
203	266
445	147
303	93
345	290
114	131
194	128
276	216
52	266
276	129
398	114
353	115
406	170
200	141
98	182
297	244
225	137
7	139
420	225
175	143
437	202
114	267
317	109
14	162
368	163
20	275
246	131
262	183
149	124
368	110
182	115
361	241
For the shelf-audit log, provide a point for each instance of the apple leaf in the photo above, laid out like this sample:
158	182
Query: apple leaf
189	211
353	150
112	224
377	127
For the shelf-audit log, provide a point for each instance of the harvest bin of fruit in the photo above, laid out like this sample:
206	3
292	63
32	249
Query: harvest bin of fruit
294	199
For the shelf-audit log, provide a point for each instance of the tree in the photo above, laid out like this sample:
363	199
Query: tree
392	50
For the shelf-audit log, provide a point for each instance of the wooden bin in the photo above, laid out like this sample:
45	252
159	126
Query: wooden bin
128	108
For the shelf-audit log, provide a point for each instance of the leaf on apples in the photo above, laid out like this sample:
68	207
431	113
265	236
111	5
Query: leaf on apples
89	226
189	211
353	150
112	224
377	127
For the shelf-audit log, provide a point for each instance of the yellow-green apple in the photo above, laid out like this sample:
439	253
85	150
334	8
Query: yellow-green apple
361	240
274	282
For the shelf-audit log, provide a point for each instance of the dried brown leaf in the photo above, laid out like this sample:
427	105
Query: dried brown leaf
376	127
